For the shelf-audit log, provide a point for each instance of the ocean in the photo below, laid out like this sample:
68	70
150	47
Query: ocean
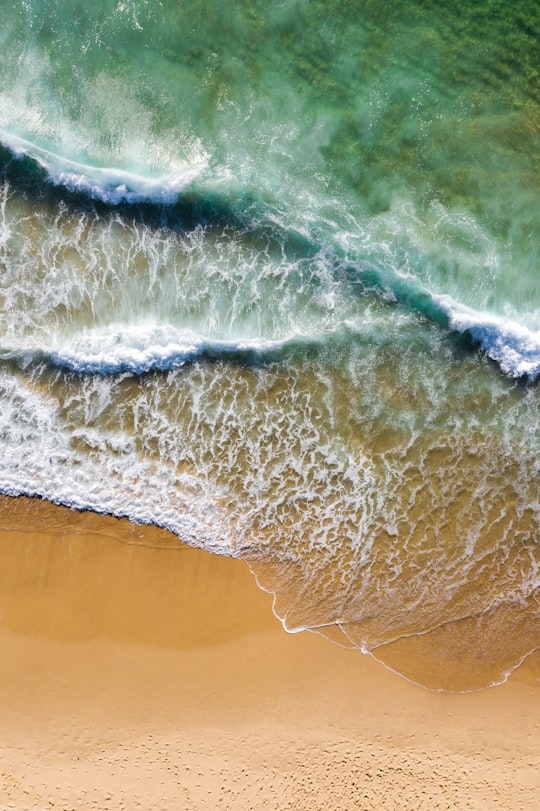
269	280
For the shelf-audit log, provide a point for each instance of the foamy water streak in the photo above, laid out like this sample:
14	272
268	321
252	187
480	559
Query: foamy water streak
107	473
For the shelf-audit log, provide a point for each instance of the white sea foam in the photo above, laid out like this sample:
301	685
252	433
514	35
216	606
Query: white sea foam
514	346
138	349
110	185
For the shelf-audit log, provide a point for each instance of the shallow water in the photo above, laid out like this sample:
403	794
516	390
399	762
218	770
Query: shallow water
269	281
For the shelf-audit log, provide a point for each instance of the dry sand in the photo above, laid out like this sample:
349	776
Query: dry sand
136	673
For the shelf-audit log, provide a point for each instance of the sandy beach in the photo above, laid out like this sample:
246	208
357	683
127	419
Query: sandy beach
137	673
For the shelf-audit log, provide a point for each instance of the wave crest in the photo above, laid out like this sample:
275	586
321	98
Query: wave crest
111	186
513	345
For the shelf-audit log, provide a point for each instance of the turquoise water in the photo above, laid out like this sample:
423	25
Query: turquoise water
269	279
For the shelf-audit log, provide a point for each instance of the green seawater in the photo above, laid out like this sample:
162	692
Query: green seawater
311	335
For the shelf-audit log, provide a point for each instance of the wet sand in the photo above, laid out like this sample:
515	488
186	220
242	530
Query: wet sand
136	673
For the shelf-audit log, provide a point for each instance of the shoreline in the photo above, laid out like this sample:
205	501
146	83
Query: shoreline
139	673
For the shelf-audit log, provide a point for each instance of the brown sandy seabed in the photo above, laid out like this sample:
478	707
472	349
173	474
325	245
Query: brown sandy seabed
136	673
